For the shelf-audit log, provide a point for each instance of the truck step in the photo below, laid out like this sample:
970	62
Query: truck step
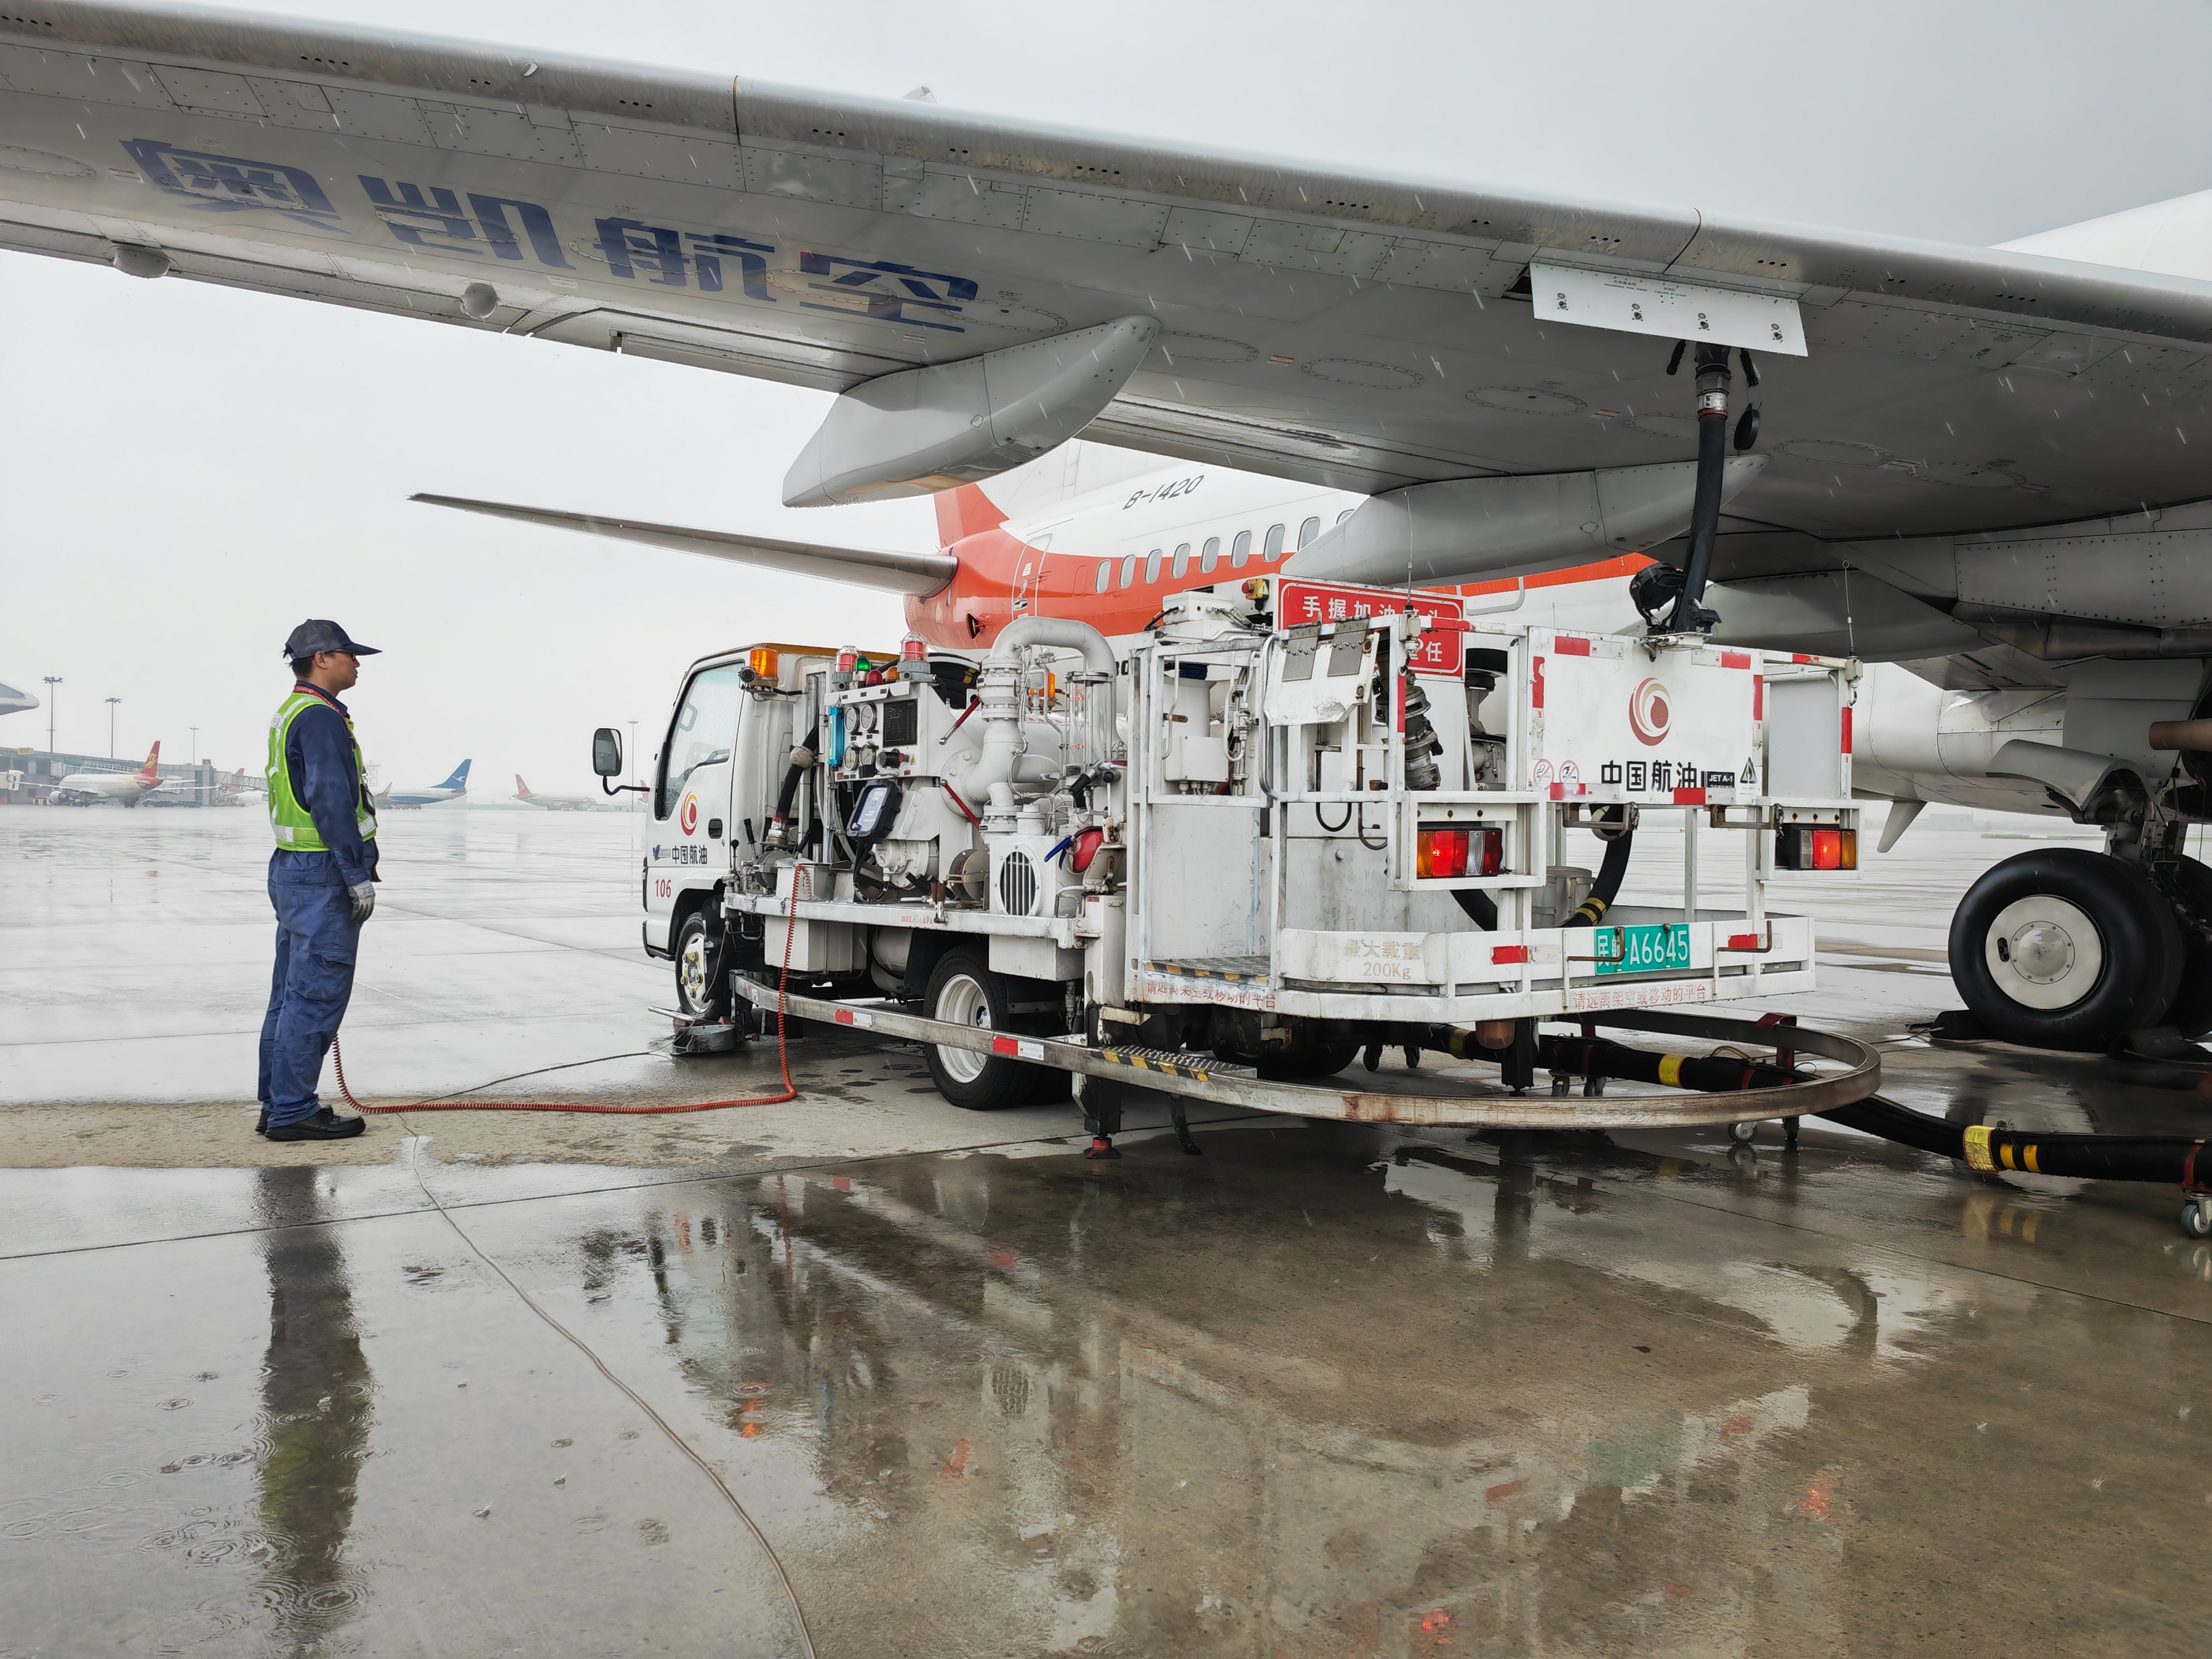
1190	1063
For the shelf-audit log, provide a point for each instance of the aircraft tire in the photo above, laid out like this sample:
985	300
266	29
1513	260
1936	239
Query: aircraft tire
2064	948
2188	883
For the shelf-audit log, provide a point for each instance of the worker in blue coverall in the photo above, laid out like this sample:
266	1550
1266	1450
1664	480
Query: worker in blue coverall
321	879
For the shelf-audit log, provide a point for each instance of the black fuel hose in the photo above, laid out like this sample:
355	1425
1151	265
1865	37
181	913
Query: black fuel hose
2160	1160
802	761
1585	1057
1712	1074
1611	872
1481	909
2166	1160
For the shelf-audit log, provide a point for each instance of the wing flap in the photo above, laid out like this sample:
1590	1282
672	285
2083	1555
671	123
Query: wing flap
919	575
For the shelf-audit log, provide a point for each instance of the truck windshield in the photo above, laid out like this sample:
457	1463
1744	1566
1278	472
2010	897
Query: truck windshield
706	726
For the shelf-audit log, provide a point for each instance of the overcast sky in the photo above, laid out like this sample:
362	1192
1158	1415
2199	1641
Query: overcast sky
190	470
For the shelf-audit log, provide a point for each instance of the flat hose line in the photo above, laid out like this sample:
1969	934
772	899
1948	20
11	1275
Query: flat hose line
2160	1159
447	1104
791	1594
453	1104
2154	1159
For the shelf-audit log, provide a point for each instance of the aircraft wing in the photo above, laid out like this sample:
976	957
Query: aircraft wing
1363	333
919	574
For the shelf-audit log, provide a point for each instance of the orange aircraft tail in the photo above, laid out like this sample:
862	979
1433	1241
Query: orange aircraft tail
963	512
152	769
521	789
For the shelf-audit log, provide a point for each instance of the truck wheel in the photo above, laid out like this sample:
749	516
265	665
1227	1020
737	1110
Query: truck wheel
2065	948
1320	1060
964	991
1306	1057
697	961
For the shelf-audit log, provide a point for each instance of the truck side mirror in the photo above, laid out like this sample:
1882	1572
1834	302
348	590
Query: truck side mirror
606	752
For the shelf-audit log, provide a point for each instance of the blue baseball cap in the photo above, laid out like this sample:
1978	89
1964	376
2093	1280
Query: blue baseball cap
313	636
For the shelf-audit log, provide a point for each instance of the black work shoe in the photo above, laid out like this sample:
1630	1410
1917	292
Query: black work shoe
324	1126
261	1123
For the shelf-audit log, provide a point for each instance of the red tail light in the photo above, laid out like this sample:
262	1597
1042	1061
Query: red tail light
1442	855
1803	847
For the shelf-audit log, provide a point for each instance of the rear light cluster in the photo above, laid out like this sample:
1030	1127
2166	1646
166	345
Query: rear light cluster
1804	848
1441	854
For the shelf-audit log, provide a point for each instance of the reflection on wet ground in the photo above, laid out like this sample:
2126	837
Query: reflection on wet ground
1321	1391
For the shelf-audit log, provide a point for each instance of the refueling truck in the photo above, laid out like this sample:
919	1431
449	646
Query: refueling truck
1290	825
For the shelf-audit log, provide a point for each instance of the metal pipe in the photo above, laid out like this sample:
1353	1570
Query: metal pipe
2196	735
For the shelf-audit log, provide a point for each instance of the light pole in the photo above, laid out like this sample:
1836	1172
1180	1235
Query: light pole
112	701
199	776
633	752
53	680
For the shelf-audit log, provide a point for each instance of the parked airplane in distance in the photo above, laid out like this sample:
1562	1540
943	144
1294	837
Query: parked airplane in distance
12	702
239	790
89	788
452	789
529	796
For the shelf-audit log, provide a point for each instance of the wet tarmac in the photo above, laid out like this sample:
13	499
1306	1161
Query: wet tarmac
1323	1390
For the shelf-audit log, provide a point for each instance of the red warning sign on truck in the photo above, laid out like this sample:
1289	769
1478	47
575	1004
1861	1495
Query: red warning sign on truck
1441	650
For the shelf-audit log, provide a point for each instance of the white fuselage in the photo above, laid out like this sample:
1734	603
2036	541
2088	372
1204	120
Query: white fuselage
1123	546
126	787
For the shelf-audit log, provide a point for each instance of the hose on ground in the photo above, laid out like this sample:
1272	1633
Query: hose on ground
2174	1160
454	1103
2162	1160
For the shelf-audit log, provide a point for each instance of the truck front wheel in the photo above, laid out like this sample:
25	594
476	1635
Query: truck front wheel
698	961
964	991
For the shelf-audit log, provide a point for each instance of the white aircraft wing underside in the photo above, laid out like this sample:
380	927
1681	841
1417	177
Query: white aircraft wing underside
918	574
1357	332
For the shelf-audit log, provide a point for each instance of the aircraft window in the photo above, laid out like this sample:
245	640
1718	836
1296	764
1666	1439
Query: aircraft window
1240	549
1152	566
1308	530
705	729
1342	516
1211	557
1181	560
1128	570
1274	541
1105	575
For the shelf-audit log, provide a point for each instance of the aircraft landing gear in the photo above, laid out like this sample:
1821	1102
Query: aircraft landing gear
2064	948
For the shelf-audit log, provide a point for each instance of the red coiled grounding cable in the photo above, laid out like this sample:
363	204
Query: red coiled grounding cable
447	1104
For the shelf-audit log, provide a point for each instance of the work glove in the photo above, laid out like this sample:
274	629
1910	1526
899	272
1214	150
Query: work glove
363	897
